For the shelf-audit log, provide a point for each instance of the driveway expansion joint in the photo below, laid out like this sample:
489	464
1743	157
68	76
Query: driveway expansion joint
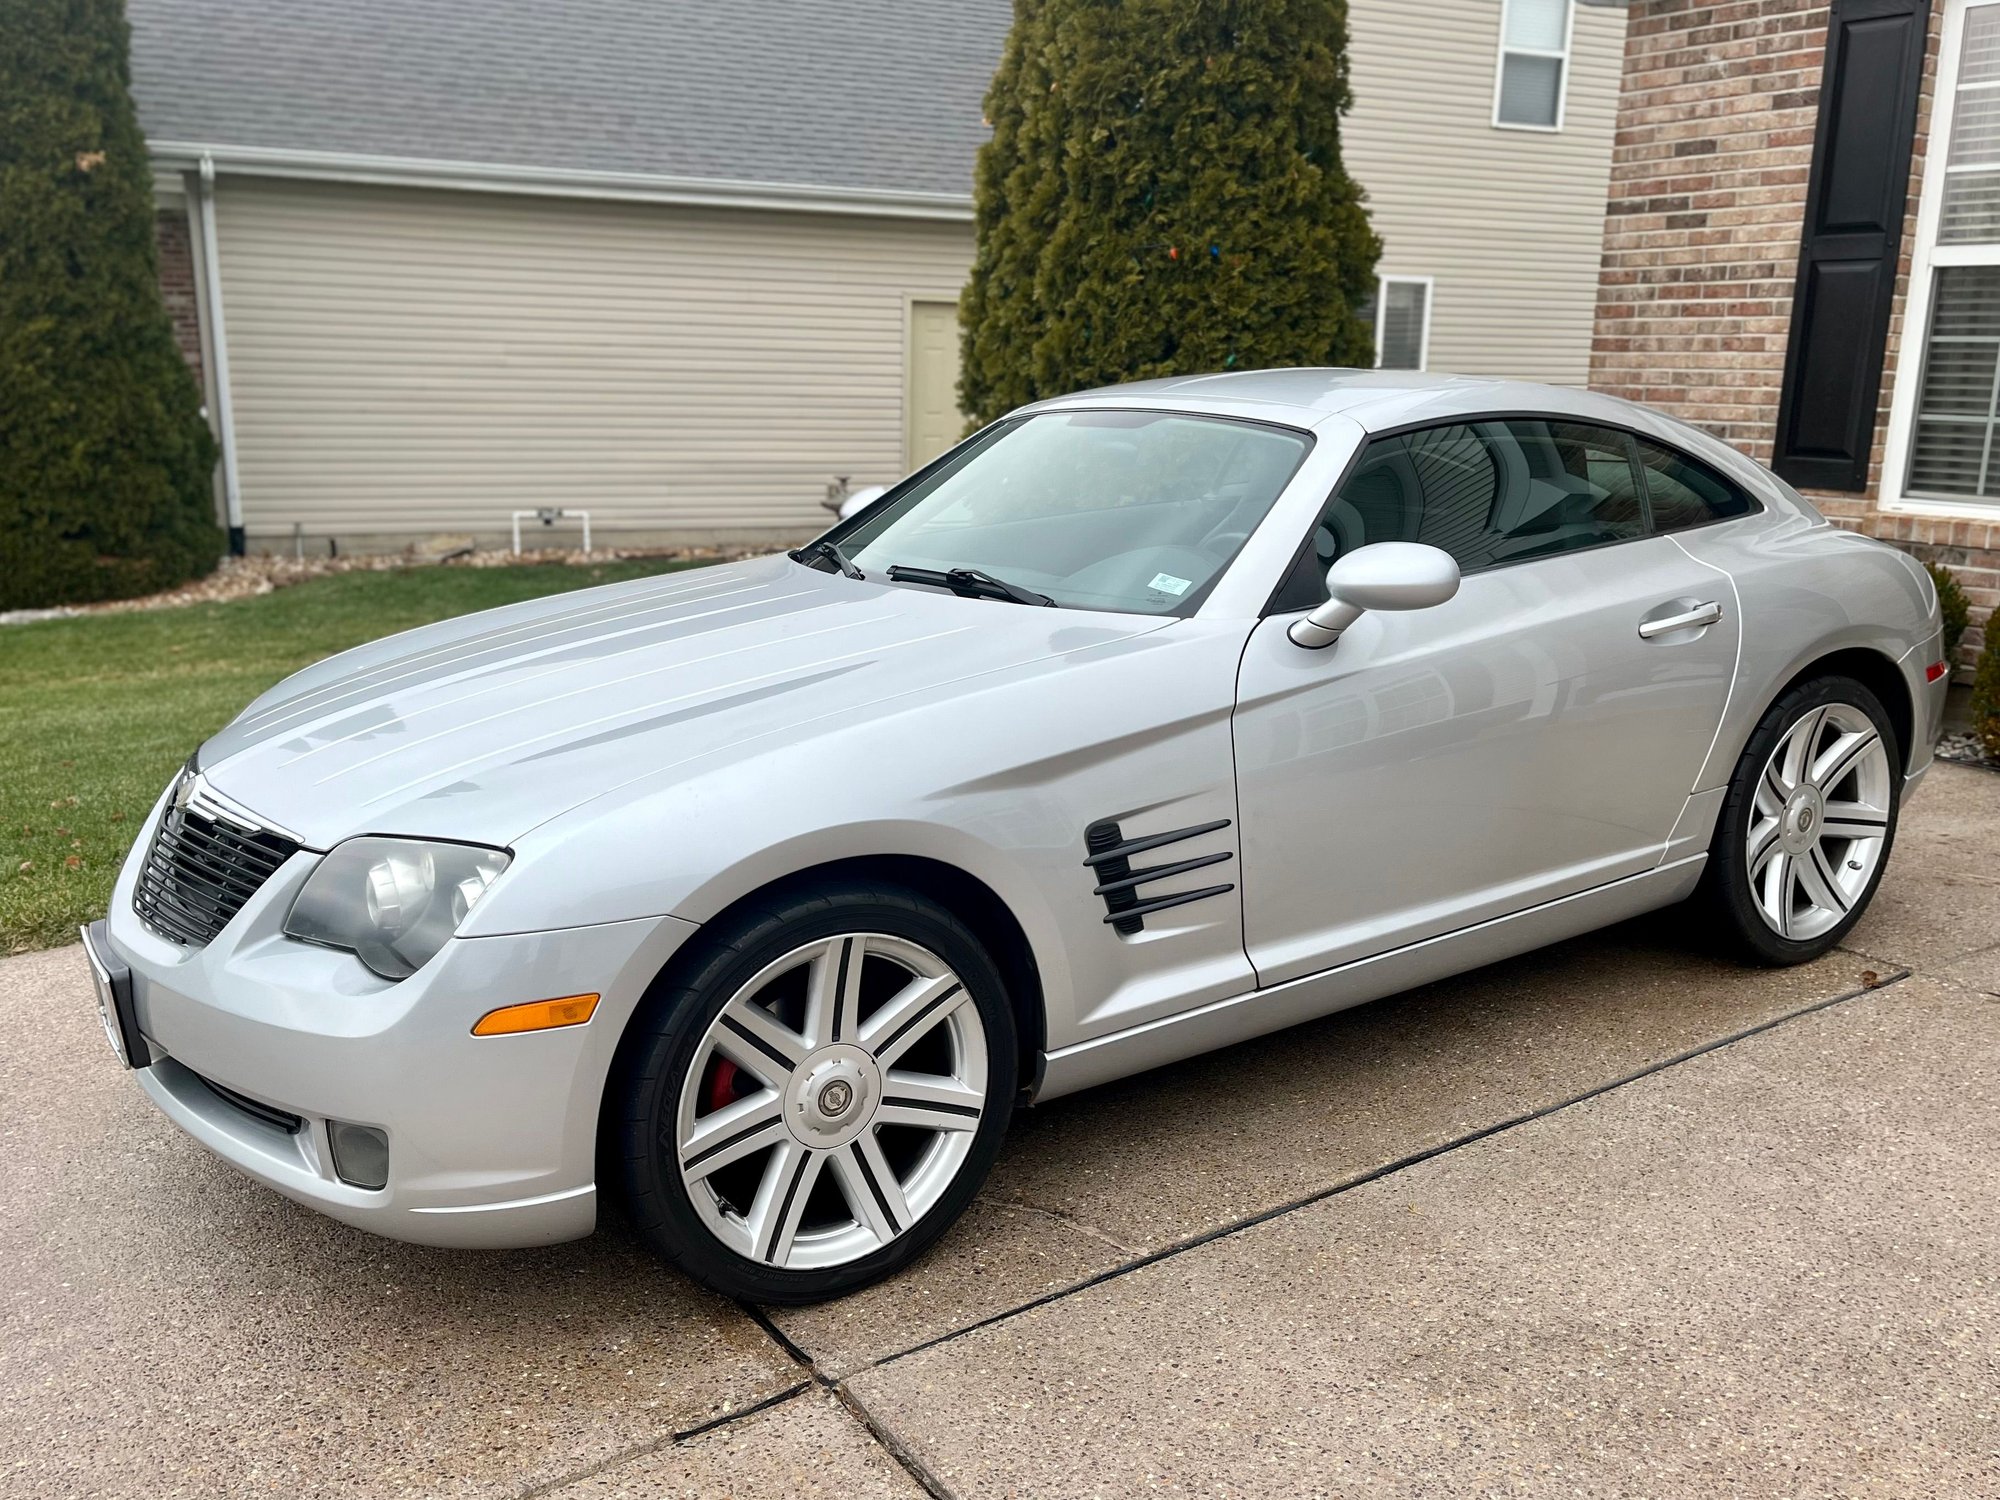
776	1399
919	1472
641	1450
877	1430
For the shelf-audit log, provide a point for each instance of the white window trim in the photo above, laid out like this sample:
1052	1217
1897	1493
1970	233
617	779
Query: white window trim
1500	67
1925	259
1382	283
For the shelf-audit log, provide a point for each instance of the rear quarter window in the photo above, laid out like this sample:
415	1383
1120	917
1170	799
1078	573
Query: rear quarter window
1684	493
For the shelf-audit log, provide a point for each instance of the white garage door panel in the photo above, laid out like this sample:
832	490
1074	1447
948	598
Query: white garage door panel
406	361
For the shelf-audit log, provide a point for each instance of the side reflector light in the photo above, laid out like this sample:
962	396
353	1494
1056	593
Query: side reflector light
1934	671
536	1015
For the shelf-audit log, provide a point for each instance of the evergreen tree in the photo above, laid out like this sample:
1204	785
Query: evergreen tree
1163	194
105	461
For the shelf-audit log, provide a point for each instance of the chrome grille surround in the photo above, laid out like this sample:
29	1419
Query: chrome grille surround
207	858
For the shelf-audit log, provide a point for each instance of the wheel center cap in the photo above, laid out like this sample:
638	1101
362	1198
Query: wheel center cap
1799	828
832	1096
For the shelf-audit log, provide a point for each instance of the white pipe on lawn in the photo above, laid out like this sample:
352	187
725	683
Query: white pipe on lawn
218	344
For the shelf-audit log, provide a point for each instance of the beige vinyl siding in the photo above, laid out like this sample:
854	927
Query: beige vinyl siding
1509	222
407	361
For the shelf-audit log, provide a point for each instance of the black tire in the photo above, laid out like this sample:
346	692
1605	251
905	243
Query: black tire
666	1037
1726	886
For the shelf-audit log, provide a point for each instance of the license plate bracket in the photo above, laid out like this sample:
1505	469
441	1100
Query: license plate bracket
111	979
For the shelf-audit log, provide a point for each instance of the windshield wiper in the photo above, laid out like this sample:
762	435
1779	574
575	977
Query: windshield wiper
831	552
969	583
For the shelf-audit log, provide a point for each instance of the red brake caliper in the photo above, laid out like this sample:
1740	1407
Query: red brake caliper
722	1085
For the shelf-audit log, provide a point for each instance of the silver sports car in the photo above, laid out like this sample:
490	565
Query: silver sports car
1145	720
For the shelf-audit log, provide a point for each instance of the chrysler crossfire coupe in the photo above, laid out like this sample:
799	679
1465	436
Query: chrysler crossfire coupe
756	898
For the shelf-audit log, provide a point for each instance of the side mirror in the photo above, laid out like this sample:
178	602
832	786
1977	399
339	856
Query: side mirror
1385	575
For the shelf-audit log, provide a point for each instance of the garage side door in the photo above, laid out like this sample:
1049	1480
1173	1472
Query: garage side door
935	420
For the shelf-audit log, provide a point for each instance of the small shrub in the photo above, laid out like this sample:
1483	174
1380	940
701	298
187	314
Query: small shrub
1986	689
1955	607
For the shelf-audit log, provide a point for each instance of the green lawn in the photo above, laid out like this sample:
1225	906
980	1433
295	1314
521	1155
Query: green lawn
98	710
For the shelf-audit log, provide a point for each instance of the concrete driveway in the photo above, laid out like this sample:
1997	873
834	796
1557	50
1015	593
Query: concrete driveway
1612	1219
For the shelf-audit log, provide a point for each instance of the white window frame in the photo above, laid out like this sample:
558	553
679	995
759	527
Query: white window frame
1382	283
1926	259
1500	68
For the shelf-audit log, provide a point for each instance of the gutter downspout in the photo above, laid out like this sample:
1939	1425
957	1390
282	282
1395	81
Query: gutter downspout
225	419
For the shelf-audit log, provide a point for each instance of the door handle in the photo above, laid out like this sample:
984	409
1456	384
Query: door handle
1701	614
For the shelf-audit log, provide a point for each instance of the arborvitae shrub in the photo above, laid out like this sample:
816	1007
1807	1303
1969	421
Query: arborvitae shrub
1954	606
1163	194
105	461
1986	689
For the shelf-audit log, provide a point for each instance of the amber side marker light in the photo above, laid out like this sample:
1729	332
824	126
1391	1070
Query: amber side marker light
536	1015
1934	671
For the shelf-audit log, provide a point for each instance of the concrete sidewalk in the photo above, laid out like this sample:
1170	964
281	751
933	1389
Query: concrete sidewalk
1611	1219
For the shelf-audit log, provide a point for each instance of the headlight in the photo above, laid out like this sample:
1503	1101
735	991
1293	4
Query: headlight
394	902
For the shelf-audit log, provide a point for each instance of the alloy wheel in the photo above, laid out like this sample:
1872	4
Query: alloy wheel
1821	816
832	1101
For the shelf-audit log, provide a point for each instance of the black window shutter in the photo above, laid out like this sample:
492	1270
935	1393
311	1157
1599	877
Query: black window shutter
1853	233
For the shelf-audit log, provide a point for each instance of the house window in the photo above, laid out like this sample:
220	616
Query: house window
1954	422
1534	64
1403	323
1972	164
1958	405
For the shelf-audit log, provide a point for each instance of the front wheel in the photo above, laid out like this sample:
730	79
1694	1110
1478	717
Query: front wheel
1806	829
823	1095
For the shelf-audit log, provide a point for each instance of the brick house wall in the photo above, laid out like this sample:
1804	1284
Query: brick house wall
175	244
1701	244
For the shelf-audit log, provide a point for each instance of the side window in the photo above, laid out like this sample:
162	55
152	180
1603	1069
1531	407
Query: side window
1685	494
1576	486
1489	493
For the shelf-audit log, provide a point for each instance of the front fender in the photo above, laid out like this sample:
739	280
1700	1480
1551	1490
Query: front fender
998	782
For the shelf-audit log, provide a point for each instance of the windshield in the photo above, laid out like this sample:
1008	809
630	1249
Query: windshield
1121	510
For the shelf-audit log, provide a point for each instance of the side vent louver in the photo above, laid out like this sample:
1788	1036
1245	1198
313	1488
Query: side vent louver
1110	859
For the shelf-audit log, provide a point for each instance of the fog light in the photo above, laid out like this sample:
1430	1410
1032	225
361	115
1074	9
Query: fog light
360	1154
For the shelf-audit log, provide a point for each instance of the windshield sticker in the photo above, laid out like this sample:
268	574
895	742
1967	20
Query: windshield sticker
1166	583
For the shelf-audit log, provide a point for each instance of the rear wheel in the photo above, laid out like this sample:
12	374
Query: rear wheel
824	1094
1810	818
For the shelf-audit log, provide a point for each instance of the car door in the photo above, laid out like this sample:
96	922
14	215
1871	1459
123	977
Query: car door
1525	741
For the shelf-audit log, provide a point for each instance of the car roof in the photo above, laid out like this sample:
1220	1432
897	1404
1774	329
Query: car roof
1374	399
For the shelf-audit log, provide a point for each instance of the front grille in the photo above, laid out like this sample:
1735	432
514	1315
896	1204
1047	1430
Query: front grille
200	870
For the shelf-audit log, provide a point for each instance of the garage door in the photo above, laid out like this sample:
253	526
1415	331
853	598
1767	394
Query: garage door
407	361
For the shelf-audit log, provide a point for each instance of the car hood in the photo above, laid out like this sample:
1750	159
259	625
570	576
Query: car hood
483	727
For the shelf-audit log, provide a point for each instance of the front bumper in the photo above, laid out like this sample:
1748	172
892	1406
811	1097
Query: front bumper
1928	696
492	1140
